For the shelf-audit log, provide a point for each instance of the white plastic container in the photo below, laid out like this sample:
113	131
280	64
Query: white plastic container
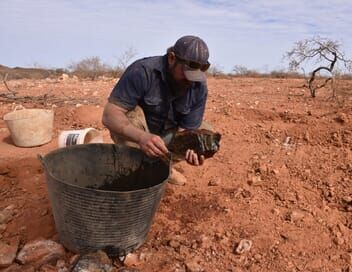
80	136
30	127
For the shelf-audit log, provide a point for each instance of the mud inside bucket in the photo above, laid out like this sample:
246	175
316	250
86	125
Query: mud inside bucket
103	196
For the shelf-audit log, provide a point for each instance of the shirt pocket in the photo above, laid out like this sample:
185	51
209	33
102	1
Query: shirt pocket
182	109
154	105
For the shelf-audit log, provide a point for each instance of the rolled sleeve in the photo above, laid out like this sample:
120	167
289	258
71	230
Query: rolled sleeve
131	87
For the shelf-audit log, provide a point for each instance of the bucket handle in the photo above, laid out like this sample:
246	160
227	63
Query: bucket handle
42	160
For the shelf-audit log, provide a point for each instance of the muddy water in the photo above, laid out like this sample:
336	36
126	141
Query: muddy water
150	173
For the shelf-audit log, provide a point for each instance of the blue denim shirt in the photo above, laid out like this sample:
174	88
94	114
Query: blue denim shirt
144	83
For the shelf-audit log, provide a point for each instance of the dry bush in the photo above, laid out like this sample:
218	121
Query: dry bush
92	68
125	59
284	74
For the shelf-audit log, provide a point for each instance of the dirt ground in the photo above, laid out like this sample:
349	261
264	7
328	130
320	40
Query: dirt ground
282	179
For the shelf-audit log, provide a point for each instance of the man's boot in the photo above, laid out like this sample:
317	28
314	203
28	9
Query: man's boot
177	178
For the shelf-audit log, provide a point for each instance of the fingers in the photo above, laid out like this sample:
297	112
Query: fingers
154	146
160	144
193	158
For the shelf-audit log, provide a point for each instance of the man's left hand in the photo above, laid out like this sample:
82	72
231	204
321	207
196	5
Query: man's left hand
193	158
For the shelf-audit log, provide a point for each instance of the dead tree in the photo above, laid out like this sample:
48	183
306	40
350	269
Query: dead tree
320	52
125	58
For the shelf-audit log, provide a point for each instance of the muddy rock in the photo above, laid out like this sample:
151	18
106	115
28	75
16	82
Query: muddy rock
40	252
8	252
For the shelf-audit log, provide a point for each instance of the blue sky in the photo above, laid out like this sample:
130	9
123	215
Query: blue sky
255	34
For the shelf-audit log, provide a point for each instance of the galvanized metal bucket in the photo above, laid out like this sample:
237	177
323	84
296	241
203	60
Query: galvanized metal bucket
104	196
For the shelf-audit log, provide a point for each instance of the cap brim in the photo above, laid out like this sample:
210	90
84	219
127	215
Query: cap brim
195	75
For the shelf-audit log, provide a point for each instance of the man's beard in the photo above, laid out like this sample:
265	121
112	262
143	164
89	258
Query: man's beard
177	87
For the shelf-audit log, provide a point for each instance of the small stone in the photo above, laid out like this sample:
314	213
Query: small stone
347	257
60	264
97	261
275	211
174	243
347	199
338	240
2	227
183	250
204	241
341	118
145	256
243	246
334	258
275	171
40	252
44	212
306	136
64	77
194	245
254	180
193	266
295	216
7	214
257	257
132	259
8	252
213	183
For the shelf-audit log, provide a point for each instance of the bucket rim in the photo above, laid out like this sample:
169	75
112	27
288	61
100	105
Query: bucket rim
7	115
42	159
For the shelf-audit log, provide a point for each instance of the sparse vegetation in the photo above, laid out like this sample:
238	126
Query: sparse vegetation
92	67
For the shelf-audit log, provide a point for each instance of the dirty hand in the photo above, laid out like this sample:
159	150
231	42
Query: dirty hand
153	145
193	158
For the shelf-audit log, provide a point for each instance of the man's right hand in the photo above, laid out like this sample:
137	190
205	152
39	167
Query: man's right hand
152	145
